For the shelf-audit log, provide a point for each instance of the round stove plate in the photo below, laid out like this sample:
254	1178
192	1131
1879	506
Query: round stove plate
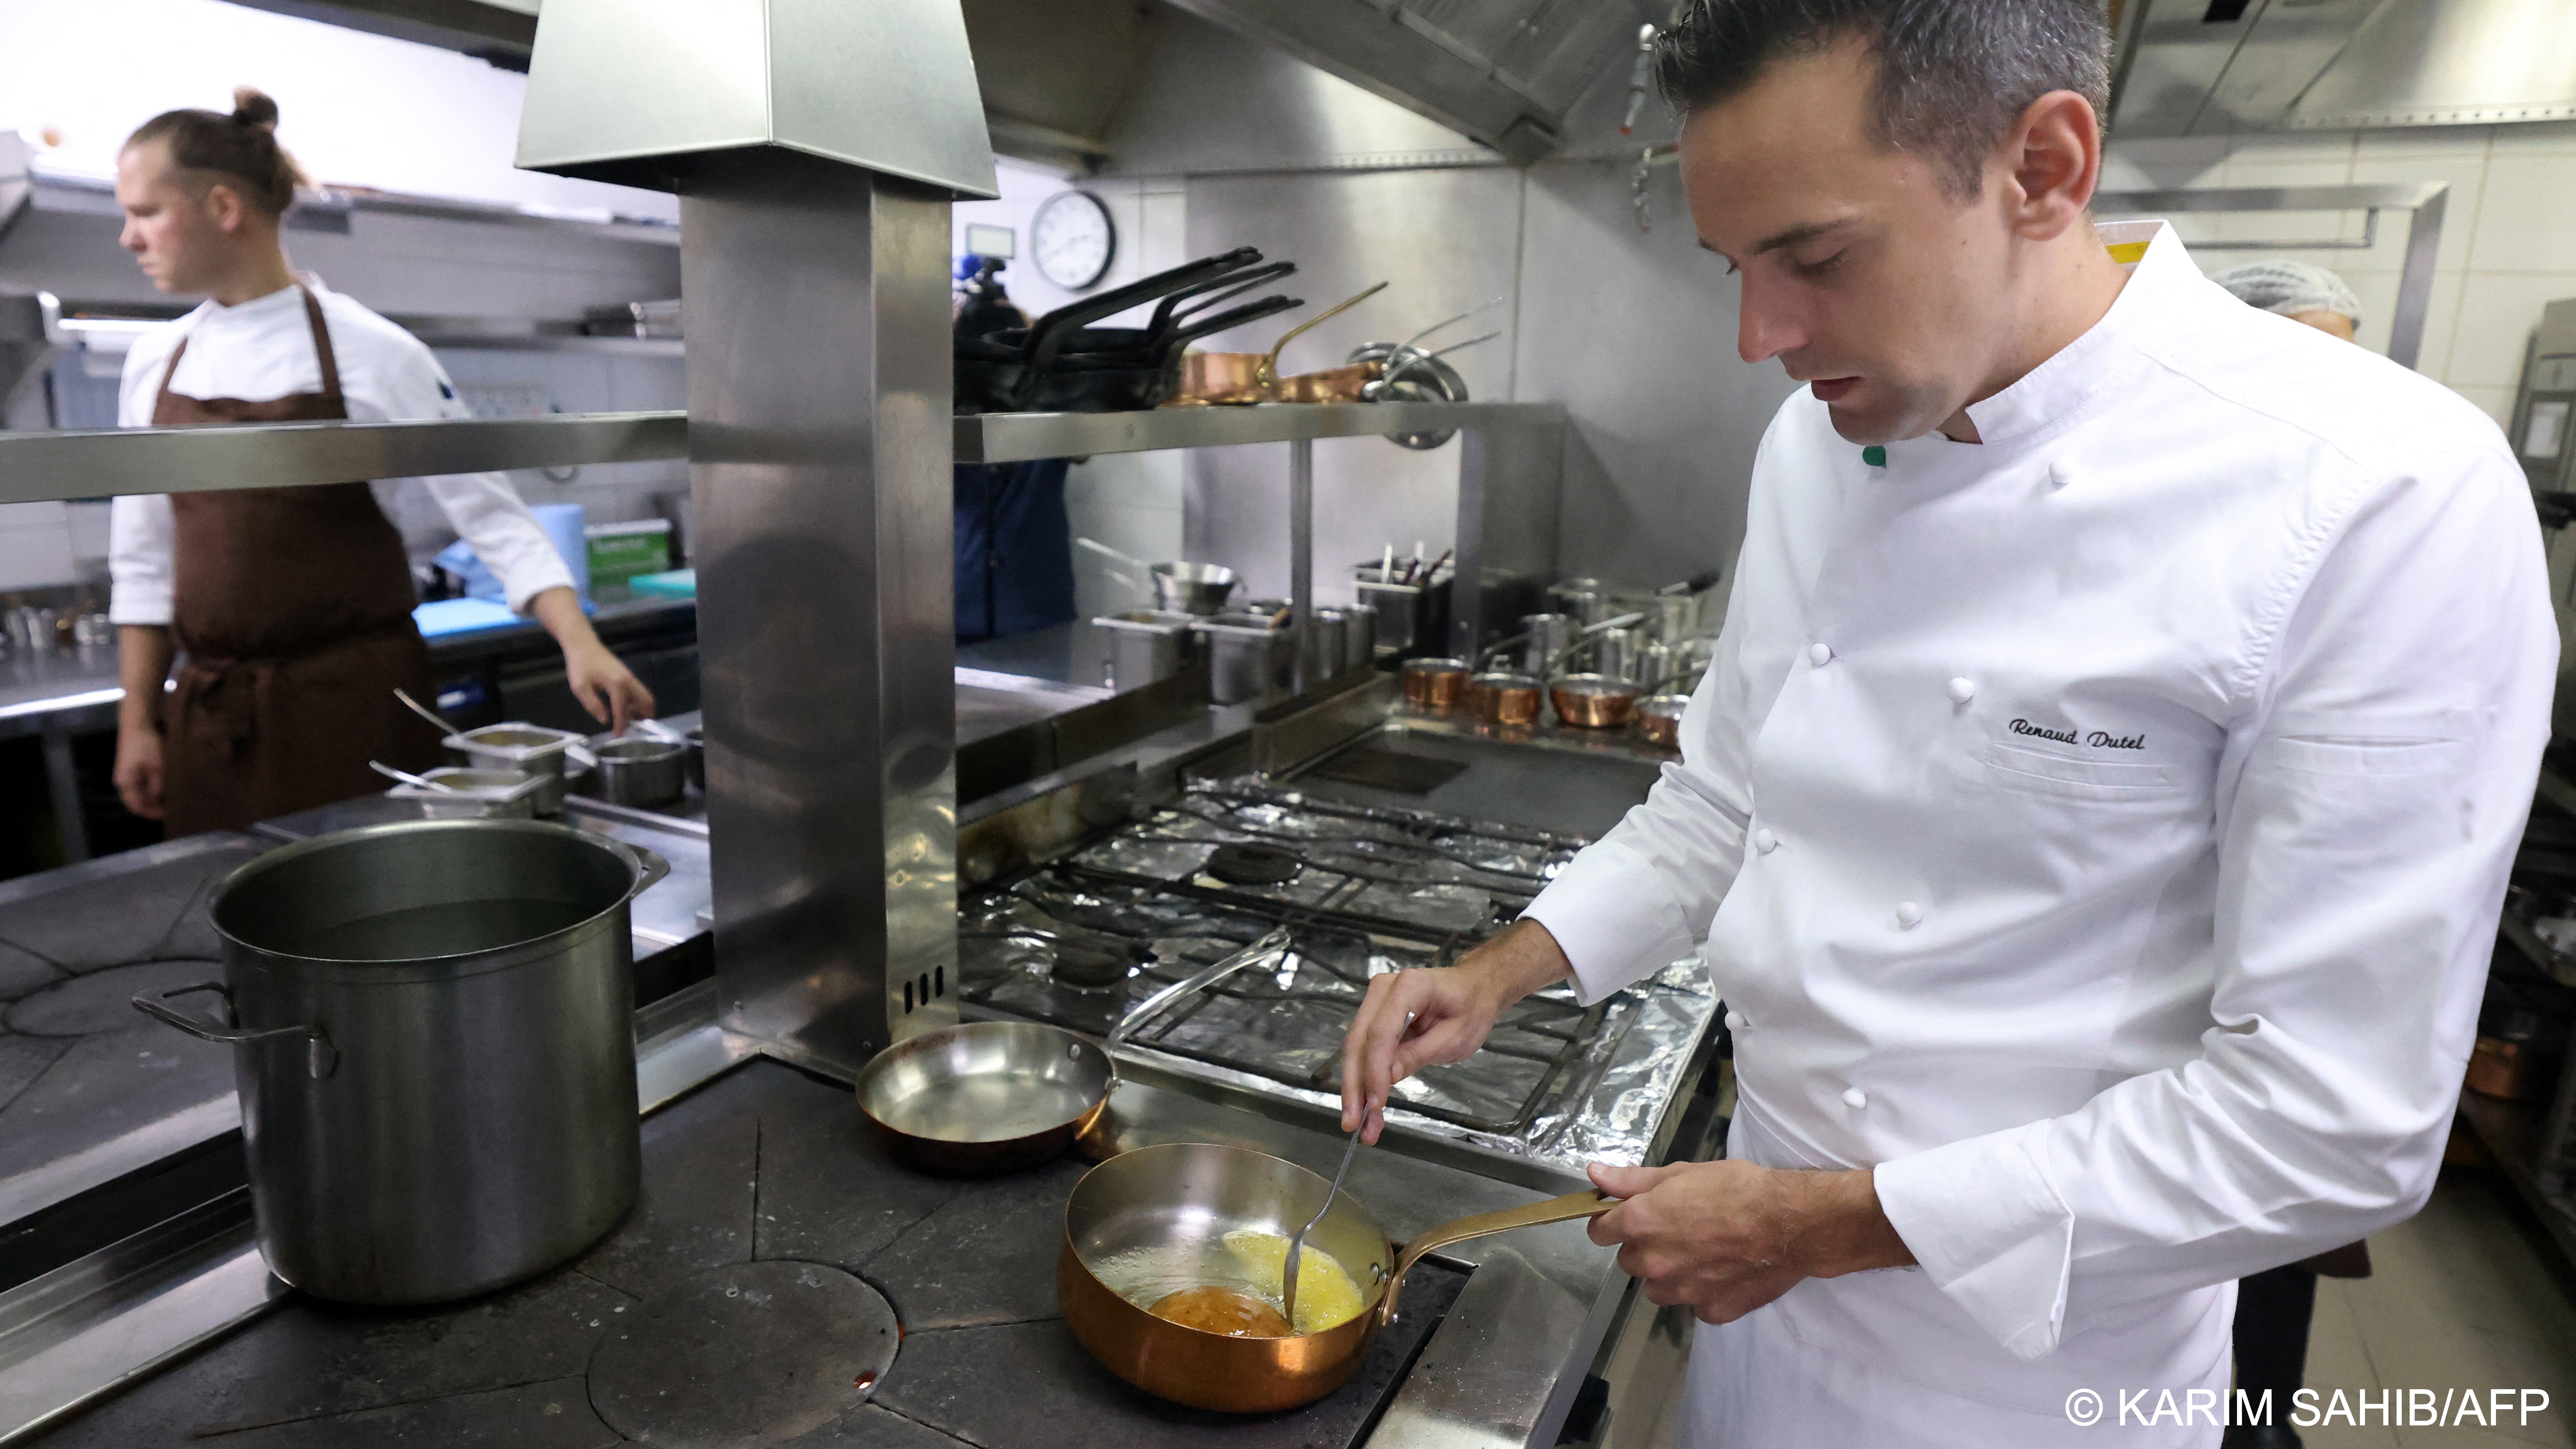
745	1355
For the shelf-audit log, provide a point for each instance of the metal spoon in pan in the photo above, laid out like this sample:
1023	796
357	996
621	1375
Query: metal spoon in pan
1297	1244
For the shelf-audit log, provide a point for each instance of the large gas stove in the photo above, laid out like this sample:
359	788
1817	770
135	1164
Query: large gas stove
1361	890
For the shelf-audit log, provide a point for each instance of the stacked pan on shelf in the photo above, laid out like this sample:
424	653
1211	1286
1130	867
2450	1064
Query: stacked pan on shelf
1063	364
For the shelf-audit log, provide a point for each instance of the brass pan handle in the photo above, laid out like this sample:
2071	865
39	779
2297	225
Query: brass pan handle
1266	376
1554	1210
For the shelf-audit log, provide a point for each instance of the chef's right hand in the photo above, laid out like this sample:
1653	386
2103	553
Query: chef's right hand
1417	1019
138	771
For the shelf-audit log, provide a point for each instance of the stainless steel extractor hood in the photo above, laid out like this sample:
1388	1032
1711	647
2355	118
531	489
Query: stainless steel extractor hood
1502	72
815	146
2218	67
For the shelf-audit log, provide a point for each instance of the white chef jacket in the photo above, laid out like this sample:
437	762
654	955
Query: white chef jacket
263	349
2100	831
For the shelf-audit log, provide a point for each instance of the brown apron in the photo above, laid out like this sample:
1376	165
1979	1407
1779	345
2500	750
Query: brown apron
293	607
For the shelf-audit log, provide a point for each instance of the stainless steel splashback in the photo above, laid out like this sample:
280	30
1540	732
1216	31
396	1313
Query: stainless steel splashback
815	147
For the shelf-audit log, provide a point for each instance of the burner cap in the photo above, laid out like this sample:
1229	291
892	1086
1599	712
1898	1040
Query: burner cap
1092	964
1253	865
753	1353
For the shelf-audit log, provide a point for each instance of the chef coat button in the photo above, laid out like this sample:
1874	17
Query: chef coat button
1820	655
1962	690
1855	1098
1735	1021
2057	475
1765	841
1908	914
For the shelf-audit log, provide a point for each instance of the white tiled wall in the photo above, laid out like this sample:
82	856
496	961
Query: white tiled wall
2508	234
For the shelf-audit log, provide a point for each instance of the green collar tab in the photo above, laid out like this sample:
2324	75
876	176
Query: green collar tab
1874	455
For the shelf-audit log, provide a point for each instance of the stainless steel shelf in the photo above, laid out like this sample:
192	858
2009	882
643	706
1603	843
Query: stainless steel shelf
1017	437
36	466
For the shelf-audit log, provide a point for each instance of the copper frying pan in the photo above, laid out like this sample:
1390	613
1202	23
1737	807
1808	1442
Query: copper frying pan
1160	1205
1252	377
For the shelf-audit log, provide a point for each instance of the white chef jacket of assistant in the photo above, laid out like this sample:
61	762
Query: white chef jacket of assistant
263	349
2100	831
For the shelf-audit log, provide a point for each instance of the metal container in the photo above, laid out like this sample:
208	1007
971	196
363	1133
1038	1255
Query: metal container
1659	720
1504	698
698	759
1592	701
1546	636
1436	683
484	794
1411	618
1359	636
1249	658
1328	638
524	748
1193	588
1586	601
1146	645
638	770
1615	653
433	1027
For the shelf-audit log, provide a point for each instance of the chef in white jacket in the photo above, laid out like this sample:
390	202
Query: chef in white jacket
2097	812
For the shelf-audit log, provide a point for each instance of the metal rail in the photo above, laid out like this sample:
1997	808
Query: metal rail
1018	437
101	463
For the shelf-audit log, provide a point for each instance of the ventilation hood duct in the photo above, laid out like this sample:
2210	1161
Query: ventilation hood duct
2218	67
1501	72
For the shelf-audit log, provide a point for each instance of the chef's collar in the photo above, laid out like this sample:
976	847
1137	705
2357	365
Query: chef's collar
285	296
2156	263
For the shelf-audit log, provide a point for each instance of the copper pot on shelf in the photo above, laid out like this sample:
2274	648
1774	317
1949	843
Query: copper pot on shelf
1188	1195
1435	683
1659	720
1592	701
1237	378
1505	698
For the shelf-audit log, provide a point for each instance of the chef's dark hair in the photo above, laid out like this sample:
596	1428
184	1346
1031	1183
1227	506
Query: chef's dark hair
240	149
1953	75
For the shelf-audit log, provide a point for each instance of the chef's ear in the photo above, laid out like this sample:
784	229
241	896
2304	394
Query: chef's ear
2053	156
225	208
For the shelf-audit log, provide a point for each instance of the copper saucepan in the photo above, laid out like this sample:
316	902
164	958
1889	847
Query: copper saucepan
1142	1216
1253	377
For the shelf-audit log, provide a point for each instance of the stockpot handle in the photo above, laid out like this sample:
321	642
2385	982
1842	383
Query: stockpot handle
650	868
1458	1230
320	1058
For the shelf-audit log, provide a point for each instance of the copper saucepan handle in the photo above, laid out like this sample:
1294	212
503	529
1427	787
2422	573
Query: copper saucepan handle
1458	1230
1269	371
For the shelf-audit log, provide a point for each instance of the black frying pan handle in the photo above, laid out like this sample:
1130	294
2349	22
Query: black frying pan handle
1249	312
1235	284
1049	335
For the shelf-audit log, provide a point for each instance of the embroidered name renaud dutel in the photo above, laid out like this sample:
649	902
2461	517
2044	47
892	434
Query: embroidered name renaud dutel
2098	739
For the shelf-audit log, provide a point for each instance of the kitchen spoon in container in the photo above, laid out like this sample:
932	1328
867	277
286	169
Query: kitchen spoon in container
1297	1244
406	776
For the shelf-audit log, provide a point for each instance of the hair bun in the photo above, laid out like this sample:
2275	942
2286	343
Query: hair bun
252	107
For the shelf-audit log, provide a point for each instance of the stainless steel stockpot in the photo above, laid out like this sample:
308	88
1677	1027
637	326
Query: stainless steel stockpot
433	1033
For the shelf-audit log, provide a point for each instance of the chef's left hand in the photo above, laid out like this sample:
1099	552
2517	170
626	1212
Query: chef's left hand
606	687
1728	1237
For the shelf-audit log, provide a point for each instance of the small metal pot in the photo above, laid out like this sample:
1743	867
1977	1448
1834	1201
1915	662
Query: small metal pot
1504	698
1659	720
433	1027
1359	638
525	748
1328	636
1435	683
1146	645
1592	701
637	770
1547	636
1190	1194
1193	588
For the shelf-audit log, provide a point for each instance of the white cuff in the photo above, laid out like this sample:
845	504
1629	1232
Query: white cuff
139	604
1612	917
1986	1223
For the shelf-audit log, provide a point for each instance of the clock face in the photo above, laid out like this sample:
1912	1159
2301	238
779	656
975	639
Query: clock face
1071	239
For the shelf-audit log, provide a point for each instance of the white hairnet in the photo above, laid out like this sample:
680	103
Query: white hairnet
2289	288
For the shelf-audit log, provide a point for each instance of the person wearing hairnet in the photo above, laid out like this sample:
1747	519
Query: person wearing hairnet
2273	1308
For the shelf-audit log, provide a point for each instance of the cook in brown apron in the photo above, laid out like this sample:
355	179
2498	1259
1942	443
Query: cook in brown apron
293	608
